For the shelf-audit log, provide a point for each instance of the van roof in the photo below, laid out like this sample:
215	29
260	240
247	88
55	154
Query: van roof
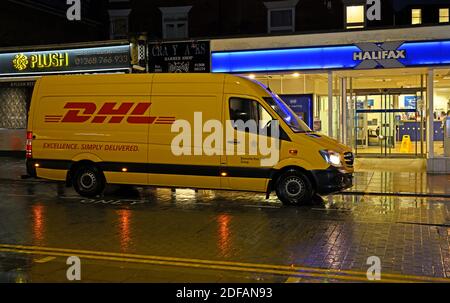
55	84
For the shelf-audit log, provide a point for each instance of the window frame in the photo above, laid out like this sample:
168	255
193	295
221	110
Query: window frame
419	22
286	5
287	28
175	24
175	16
354	25
447	16
118	15
258	105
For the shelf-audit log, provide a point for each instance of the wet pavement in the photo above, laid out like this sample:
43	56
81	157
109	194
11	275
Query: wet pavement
156	235
401	183
366	181
136	234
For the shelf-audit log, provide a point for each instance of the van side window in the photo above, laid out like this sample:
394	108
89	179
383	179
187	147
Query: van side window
243	109
246	109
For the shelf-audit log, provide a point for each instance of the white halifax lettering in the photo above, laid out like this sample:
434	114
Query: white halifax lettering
380	55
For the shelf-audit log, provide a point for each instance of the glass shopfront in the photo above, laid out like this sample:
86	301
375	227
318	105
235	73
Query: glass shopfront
386	112
441	109
370	96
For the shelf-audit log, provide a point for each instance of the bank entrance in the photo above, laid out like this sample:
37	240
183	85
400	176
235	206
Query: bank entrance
386	127
379	113
384	111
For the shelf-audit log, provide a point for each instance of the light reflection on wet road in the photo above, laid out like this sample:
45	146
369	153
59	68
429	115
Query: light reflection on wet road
410	235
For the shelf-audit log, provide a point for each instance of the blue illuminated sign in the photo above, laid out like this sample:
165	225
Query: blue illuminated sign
410	102
406	54
302	106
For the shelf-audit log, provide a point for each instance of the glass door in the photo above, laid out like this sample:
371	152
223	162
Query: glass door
389	122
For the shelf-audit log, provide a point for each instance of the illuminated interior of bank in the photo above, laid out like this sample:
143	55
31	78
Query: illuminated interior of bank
386	109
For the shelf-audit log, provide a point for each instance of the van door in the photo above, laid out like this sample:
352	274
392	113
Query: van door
182	163
243	153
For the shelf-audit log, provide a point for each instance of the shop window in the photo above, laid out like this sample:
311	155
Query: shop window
175	23
416	16
13	107
441	109
354	16
119	23
281	16
444	15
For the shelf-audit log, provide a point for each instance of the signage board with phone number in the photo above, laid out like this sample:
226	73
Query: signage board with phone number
65	60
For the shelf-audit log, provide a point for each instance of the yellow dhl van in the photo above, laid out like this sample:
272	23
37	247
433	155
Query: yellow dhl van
90	130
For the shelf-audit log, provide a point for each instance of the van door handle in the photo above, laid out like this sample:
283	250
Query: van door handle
234	142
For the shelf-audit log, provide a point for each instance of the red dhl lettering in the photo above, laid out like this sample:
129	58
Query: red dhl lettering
110	112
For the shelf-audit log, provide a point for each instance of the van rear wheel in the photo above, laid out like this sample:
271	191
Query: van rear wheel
294	188
88	181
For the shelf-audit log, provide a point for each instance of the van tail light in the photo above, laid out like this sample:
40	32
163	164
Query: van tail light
29	147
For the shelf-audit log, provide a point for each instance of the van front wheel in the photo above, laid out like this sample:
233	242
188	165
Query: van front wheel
294	188
88	181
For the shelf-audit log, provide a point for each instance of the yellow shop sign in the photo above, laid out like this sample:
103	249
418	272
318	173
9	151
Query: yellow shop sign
41	61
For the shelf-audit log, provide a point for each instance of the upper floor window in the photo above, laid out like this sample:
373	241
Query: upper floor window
281	16
444	15
354	16
175	23
118	19
416	16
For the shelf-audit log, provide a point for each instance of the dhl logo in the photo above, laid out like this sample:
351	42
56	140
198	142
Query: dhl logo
110	112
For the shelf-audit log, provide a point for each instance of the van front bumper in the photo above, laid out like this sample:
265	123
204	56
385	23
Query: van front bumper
332	180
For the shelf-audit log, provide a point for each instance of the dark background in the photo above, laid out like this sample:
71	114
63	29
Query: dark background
41	22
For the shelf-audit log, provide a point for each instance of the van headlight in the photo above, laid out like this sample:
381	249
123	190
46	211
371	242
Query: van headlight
332	157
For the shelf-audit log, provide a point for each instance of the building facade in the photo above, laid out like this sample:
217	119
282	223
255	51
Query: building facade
42	22
386	94
380	86
198	19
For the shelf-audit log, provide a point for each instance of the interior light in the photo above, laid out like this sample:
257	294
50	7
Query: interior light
252	76
124	169
295	75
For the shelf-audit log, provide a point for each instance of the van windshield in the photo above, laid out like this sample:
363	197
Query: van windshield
285	112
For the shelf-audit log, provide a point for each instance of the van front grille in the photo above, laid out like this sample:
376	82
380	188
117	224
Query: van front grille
349	158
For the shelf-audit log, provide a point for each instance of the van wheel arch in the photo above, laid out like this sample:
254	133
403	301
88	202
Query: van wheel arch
78	164
274	180
276	176
294	186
